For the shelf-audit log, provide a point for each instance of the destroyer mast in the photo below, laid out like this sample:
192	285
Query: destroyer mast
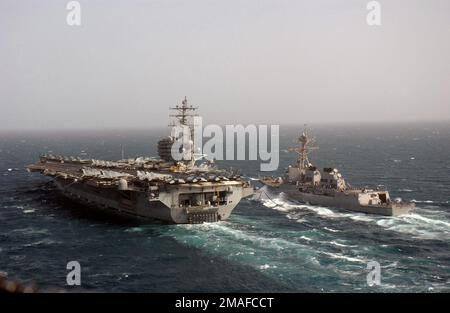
306	145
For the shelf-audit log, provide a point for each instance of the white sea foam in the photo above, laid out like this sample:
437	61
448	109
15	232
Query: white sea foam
30	231
134	230
338	244
344	257
45	242
279	204
419	226
268	251
256	248
282	205
414	216
323	211
253	247
363	218
239	235
422	201
331	230
392	265
267	266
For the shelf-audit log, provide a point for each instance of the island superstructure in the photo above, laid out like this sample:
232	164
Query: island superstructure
192	190
304	182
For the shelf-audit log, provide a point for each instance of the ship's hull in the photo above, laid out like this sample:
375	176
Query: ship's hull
140	206
344	201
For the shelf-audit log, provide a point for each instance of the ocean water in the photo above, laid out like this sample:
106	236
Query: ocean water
269	244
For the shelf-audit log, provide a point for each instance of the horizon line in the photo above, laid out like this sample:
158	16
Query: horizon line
289	124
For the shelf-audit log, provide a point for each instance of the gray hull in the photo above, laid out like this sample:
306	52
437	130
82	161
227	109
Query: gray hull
139	205
345	201
185	190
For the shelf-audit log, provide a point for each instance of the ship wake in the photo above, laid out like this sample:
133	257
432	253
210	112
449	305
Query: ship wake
423	224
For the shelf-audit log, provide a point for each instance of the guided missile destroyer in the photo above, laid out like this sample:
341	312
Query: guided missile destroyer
161	188
304	182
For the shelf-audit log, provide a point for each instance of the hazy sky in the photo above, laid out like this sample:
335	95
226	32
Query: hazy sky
247	61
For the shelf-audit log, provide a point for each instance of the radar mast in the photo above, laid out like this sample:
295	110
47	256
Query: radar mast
184	113
184	116
306	145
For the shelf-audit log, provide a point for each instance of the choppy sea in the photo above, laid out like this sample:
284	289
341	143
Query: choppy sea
269	244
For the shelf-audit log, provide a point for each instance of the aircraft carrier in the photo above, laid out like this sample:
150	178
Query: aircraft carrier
304	182
191	191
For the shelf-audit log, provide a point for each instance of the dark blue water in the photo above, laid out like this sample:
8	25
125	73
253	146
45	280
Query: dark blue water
268	244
